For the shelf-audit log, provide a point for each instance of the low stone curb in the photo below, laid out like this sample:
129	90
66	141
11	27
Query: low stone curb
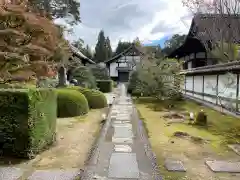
147	147
86	173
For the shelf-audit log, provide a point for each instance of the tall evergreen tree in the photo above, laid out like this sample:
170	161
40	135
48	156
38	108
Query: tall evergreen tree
122	46
100	49
109	48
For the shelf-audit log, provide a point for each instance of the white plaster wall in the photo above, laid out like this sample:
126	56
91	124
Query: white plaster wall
190	65
113	70
210	83
198	86
189	81
123	64
227	87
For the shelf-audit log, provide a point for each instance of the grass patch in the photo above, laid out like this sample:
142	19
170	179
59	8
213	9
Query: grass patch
226	126
222	129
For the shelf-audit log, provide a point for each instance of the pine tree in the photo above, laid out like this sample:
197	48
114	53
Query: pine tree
100	49
122	46
109	48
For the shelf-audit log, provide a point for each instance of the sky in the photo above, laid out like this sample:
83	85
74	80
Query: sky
152	21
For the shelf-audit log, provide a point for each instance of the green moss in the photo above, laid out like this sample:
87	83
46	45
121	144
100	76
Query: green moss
71	103
28	121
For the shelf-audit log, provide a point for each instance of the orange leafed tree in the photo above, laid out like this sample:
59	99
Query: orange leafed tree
29	42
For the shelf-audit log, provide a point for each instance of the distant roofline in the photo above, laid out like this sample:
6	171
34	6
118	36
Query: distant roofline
122	53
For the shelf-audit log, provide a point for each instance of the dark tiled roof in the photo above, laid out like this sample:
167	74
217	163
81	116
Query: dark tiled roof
81	55
211	27
124	52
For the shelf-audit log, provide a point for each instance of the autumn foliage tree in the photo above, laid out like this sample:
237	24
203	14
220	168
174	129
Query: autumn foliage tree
31	46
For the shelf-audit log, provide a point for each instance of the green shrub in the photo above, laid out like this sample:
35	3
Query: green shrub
85	77
105	86
201	119
95	98
132	84
28	121
71	103
100	72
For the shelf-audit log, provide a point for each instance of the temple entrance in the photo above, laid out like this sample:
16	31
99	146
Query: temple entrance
123	76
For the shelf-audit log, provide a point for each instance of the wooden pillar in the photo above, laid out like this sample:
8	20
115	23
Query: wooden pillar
203	88
185	80
193	86
237	93
217	89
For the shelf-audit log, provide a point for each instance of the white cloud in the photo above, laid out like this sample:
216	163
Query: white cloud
127	19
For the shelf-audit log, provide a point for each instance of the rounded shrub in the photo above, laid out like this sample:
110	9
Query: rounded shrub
96	99
71	103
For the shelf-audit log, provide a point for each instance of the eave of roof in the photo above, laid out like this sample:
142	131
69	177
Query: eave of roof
81	55
122	54
191	33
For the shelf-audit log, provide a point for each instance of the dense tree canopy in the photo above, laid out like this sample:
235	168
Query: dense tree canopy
86	50
173	43
58	8
158	78
30	45
103	50
122	46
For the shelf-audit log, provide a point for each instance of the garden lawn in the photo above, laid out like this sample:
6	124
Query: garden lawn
222	129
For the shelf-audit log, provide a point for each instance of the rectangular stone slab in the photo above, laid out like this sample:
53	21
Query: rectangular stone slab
122	125
174	165
54	174
10	173
122	132
122	148
224	166
123	165
122	140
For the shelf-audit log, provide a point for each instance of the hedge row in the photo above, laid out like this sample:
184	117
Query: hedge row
28	121
105	86
96	99
28	116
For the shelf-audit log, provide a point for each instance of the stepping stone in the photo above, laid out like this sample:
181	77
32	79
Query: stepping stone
235	148
174	165
122	132
123	125
224	166
120	122
122	140
54	174
10	173
122	148
123	165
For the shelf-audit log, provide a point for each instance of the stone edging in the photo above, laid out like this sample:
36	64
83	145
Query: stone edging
147	147
93	152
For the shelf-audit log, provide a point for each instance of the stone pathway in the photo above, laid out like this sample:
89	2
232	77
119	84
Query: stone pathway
121	152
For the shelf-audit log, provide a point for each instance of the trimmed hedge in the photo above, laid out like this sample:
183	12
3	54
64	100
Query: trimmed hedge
28	121
105	86
71	103
96	99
